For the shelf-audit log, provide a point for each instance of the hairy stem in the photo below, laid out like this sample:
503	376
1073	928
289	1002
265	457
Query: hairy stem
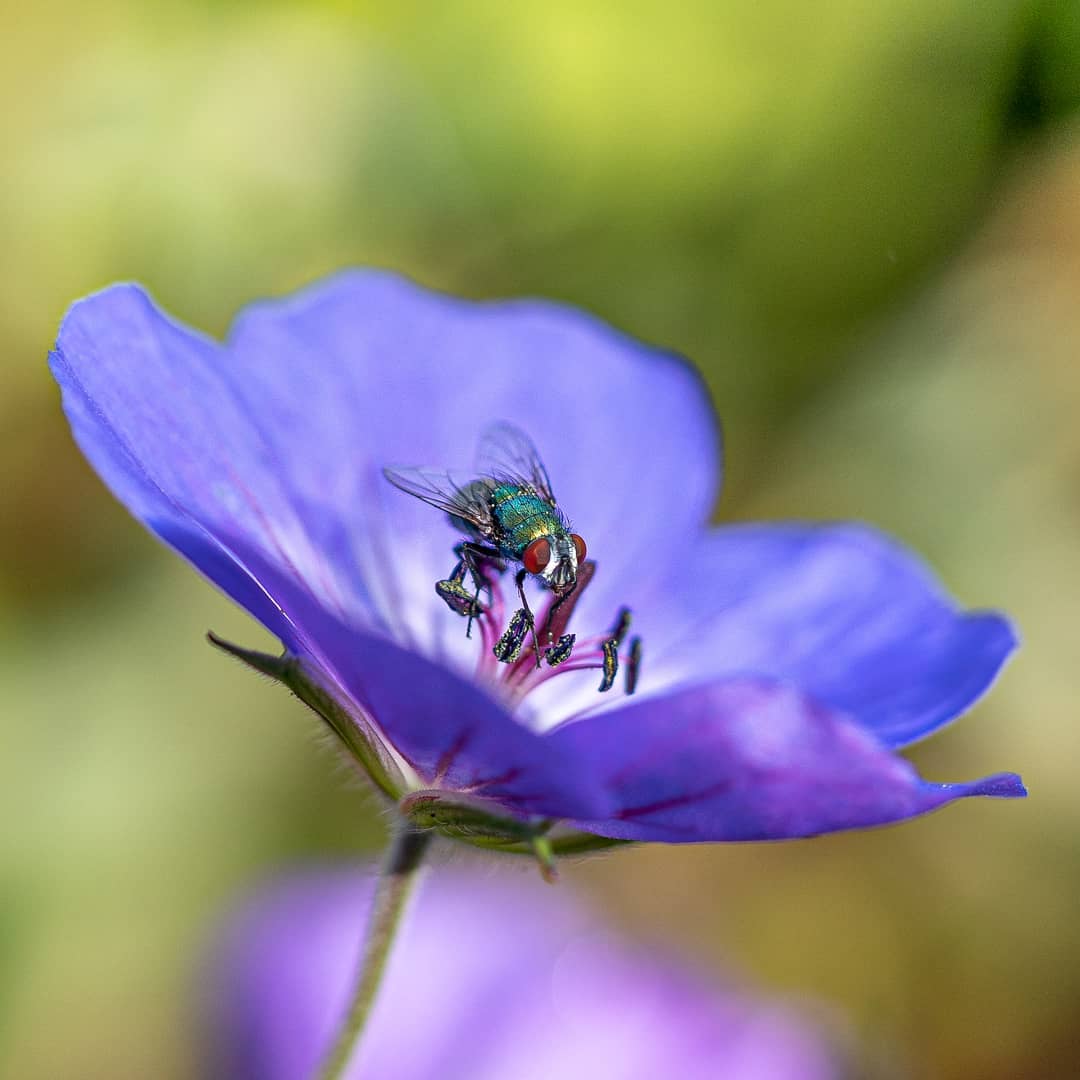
400	873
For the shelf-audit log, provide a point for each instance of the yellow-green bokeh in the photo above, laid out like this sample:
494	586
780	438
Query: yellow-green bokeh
862	220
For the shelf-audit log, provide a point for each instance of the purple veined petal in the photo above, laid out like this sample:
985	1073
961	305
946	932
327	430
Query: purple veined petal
748	760
841	611
448	730
455	736
492	977
153	408
259	461
369	368
279	435
152	412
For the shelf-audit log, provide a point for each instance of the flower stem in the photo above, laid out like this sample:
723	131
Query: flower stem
400	874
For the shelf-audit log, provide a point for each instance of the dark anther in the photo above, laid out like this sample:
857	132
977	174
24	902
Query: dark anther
554	620
508	647
633	665
622	625
457	597
611	664
560	652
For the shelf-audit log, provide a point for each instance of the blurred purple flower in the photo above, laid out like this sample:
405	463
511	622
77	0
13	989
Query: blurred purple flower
784	663
488	979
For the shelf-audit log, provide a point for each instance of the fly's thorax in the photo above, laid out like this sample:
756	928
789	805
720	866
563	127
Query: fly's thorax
522	516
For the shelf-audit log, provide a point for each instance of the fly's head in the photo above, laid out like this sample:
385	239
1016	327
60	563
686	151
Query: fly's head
555	559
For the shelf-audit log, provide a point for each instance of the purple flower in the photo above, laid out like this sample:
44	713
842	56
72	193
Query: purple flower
488	979
783	664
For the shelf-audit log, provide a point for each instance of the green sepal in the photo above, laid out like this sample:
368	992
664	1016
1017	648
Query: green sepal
353	733
569	844
455	816
545	858
460	819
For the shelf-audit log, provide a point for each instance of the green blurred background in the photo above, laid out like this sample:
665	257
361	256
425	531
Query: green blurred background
861	219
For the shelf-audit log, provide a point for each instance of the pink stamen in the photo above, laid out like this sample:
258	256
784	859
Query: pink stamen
523	687
518	679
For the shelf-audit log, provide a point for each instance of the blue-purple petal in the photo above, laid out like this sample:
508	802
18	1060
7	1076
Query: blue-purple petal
841	611
369	368
152	408
491	978
279	435
259	461
455	736
749	760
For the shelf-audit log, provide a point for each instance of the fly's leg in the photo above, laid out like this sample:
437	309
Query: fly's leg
519	581
472	555
552	640
453	590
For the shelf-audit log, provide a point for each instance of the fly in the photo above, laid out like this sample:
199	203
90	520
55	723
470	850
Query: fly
510	515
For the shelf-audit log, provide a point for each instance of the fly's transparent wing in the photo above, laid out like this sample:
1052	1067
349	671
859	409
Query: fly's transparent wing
507	453
436	487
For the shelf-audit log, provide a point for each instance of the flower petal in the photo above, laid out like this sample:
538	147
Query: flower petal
844	613
480	967
152	407
749	760
454	736
367	369
279	436
449	731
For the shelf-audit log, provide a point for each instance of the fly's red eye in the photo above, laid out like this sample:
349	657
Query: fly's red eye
579	547
537	556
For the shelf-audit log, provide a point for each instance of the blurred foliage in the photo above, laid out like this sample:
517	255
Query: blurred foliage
861	220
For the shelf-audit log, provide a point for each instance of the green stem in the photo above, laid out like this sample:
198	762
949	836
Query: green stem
397	881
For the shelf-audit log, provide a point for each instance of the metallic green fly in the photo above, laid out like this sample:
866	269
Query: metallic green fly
510	515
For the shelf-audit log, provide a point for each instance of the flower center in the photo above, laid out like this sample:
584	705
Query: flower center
525	651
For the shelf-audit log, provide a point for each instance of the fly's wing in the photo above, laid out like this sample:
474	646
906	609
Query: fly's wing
507	453
438	488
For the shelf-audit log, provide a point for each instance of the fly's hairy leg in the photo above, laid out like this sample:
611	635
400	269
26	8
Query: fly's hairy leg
519	581
453	592
472	555
452	589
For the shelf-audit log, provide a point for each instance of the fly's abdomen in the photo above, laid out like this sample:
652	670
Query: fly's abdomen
521	516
